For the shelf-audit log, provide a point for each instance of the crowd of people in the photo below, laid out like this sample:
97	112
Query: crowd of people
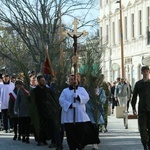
80	110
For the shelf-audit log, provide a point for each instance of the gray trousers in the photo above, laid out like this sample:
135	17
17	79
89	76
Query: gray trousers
122	101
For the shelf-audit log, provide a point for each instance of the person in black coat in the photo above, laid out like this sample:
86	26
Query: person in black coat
44	111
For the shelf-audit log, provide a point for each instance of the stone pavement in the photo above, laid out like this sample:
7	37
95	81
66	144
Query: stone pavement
117	138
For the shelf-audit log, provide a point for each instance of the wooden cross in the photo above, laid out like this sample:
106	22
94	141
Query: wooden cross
75	23
75	35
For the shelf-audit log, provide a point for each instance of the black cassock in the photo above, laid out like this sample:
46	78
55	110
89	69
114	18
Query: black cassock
43	109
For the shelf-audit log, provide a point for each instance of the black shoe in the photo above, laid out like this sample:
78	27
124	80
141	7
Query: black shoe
44	142
145	146
39	144
15	137
23	139
6	131
19	138
52	145
27	140
59	148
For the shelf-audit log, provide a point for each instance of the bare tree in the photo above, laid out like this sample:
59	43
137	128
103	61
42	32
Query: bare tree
37	23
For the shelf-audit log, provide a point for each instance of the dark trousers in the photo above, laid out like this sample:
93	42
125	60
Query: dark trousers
16	126
24	125
74	133
58	136
5	118
128	103
144	126
114	103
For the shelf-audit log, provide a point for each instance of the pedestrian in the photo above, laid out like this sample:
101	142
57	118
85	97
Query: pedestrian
114	101
1	121
122	92
72	101
6	88
57	138
105	87
142	89
130	96
94	106
22	110
13	116
44	111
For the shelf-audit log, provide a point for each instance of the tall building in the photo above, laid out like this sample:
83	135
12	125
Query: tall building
135	20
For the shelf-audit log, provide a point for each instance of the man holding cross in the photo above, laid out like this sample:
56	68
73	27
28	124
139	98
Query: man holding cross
74	130
76	125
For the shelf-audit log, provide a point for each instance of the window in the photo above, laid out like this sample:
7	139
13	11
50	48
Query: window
100	3
148	25
113	30
132	25
140	22
101	32
125	27
148	16
119	30
107	33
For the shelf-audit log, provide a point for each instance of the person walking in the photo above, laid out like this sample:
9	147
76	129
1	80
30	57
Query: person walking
6	88
130	96
21	108
142	89
75	125
13	116
122	92
44	111
114	102
94	106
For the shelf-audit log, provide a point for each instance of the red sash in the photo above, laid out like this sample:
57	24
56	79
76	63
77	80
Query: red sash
13	96
27	93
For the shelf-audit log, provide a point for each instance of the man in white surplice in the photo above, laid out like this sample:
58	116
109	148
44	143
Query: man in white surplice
66	100
6	88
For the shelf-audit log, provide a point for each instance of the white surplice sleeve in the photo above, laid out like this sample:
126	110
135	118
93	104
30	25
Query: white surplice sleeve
84	96
63	100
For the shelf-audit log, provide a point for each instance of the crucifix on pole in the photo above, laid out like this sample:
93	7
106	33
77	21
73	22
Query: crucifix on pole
75	35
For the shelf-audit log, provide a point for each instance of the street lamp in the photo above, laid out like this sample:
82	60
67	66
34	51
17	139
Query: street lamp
121	38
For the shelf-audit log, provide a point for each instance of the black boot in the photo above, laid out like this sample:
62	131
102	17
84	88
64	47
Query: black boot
23	139
15	137
145	146
19	138
148	145
27	140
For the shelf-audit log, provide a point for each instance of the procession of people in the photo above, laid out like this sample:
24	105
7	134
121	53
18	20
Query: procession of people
79	110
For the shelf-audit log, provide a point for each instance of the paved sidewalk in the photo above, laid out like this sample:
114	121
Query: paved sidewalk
117	138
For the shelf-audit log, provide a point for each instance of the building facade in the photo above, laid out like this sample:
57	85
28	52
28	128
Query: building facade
136	37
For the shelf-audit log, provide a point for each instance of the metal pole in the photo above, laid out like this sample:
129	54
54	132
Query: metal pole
121	38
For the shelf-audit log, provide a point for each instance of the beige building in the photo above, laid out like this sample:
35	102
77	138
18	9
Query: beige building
136	37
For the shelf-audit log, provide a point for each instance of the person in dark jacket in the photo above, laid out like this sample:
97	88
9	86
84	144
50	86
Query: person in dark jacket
142	89
45	111
22	110
13	116
114	101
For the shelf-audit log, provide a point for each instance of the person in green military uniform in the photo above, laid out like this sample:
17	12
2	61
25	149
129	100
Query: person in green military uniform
142	89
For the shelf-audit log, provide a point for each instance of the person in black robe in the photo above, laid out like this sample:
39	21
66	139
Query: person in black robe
43	111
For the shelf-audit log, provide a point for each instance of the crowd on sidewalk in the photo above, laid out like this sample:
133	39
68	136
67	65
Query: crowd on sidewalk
79	109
